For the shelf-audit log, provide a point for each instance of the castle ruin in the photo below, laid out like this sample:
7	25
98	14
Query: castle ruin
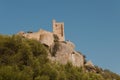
65	52
47	37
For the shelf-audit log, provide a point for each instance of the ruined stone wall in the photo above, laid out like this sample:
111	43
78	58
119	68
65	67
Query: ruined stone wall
34	35
46	37
43	36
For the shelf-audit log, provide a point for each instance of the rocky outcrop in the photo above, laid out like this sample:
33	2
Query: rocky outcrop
65	53
89	63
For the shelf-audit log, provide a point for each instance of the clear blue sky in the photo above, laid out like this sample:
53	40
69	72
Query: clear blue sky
93	25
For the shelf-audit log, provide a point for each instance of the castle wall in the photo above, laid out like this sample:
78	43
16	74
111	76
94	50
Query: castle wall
43	36
46	37
34	35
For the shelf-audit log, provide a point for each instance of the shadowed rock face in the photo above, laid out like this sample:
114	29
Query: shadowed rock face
66	53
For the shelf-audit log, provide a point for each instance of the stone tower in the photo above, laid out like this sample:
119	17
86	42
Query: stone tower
58	29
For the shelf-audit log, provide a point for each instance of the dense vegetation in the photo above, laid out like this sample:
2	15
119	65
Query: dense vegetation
23	59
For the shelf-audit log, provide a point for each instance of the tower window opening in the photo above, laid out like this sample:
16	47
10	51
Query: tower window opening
61	30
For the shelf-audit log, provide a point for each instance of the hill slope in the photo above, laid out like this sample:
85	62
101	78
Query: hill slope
24	59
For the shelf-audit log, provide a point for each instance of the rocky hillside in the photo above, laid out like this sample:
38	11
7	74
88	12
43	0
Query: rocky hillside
27	59
63	52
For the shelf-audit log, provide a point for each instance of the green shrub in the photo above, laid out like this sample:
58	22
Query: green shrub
12	73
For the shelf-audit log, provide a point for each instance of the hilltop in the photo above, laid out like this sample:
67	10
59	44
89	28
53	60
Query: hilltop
25	59
45	55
